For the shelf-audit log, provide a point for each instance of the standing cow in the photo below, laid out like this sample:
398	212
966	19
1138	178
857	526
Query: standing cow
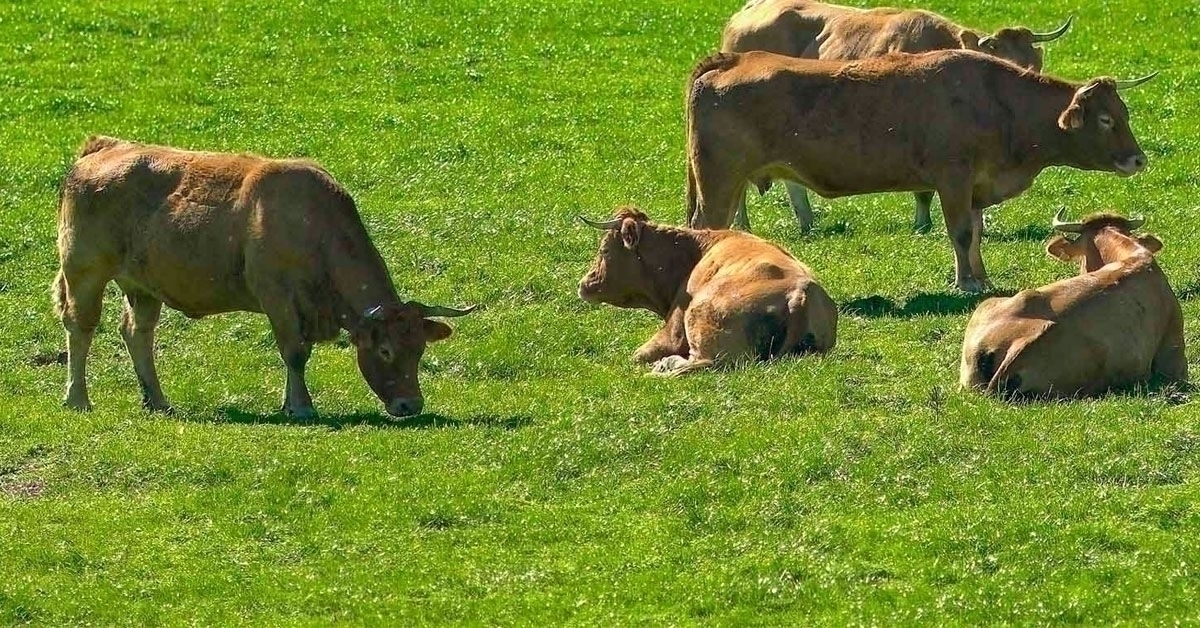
724	295
816	30
207	233
1115	324
973	128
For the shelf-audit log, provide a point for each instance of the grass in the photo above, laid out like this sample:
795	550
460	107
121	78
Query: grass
551	482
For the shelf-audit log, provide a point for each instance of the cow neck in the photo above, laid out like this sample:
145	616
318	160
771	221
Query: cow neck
1038	141
359	277
668	255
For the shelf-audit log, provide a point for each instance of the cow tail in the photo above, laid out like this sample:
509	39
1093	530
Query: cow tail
58	294
1000	382
718	61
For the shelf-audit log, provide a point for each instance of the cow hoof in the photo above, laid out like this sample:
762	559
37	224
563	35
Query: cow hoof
159	407
923	228
974	286
302	414
668	365
79	405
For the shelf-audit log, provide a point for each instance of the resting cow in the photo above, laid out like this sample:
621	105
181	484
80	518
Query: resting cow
815	30
207	233
1115	324
973	128
724	295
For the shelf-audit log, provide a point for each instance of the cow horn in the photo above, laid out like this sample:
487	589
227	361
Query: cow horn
374	313
1135	82
1055	34
1066	227
610	224
1135	223
441	310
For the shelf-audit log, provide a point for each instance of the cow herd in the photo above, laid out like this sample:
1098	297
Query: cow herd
836	100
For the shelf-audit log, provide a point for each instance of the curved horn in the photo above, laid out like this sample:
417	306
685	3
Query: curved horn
1065	227
443	311
1135	223
1054	34
374	313
1135	82
610	224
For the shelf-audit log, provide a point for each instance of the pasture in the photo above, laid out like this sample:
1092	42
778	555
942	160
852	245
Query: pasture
549	481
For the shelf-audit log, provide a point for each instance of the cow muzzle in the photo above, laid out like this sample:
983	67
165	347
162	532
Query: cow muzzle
402	406
1131	165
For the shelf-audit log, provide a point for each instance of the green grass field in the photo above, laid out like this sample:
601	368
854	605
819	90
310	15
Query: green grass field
551	482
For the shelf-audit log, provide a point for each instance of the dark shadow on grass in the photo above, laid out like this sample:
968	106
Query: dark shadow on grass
1028	233
426	421
1189	291
1171	392
924	303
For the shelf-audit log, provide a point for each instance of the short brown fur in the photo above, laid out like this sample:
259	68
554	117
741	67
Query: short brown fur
723	295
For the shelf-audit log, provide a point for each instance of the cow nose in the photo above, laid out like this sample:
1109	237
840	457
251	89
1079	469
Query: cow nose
402	407
1133	164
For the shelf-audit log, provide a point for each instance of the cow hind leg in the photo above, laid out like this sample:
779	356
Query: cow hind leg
78	296
922	221
964	224
138	321
798	195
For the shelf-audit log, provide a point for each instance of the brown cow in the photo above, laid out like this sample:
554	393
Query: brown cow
207	233
971	127
1115	324
815	30
724	295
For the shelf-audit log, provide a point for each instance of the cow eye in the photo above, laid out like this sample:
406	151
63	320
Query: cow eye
385	353
1106	121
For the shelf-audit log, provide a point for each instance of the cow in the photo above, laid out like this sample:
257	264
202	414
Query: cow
816	30
1115	324
723	295
973	128
206	233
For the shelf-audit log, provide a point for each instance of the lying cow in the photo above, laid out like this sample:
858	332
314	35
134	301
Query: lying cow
724	295
1115	324
815	30
207	233
973	128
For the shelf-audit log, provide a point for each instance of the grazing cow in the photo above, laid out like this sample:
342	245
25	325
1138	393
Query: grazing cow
207	233
973	128
723	295
815	30
1115	324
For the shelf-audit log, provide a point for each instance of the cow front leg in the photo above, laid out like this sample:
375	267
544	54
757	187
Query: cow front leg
295	352
798	195
741	218
922	221
138	321
669	340
964	225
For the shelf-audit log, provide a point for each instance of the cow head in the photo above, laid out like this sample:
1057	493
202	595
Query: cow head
1102	239
1097	124
390	340
1014	44
619	275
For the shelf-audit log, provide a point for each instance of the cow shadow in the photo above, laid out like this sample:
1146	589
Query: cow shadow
377	420
938	304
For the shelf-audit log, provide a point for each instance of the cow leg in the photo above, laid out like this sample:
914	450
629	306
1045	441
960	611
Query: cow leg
741	219
922	222
79	296
798	195
137	328
295	352
964	224
669	340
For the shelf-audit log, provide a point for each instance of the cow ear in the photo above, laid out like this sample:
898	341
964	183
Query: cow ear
1151	243
436	330
631	233
969	40
1062	248
1071	118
